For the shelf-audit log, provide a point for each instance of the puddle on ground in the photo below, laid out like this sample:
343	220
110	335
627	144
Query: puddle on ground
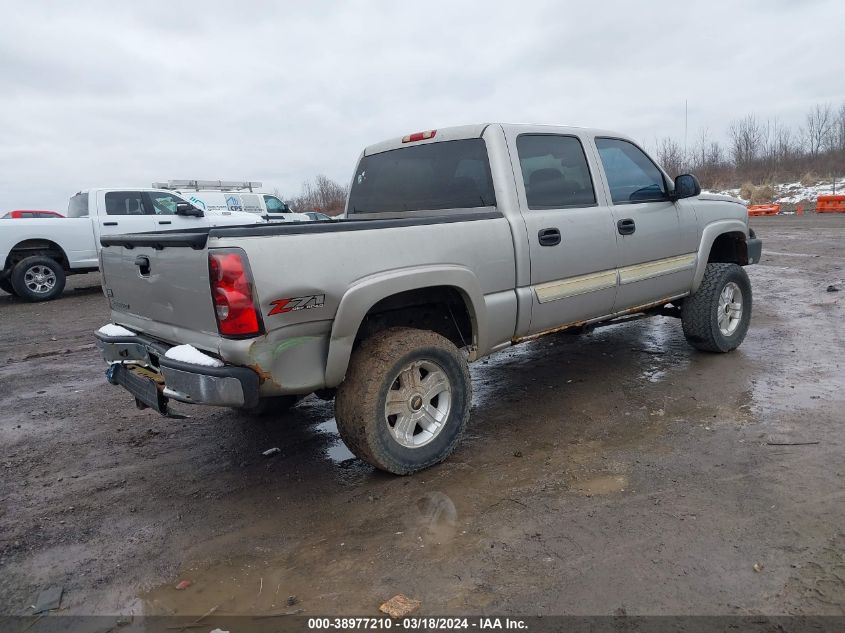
315	572
432	519
602	485
337	451
802	374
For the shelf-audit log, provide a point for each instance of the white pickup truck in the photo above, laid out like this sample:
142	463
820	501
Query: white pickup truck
37	254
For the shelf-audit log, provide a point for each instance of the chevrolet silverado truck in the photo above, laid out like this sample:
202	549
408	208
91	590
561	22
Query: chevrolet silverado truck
37	254
455	243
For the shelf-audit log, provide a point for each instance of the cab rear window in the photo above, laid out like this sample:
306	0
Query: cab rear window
433	176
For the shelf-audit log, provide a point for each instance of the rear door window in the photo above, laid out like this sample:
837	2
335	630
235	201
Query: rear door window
555	171
125	203
433	176
631	174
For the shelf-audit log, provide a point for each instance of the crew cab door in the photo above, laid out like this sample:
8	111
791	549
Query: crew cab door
571	236
123	211
656	259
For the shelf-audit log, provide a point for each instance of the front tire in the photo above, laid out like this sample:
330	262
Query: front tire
38	278
405	401
717	316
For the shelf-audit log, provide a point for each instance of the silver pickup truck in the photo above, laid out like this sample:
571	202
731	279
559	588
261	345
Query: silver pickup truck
455	243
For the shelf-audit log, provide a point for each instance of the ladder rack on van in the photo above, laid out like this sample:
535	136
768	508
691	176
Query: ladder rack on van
206	185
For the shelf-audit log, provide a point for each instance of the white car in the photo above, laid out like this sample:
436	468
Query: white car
37	254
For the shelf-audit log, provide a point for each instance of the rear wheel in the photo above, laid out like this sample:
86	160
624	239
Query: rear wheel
405	401
717	316
38	278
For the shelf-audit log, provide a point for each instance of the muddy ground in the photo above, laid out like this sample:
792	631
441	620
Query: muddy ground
616	470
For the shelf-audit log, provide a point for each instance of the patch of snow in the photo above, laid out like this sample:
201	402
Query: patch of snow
731	193
794	192
709	195
110	329
190	354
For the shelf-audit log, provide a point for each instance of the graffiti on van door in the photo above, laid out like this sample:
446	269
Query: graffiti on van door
197	203
234	203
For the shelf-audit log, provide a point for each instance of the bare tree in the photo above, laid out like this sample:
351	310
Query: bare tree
323	194
818	128
715	155
699	151
671	156
777	143
782	143
840	128
746	135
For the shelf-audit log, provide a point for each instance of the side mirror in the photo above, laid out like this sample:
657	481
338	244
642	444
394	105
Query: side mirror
686	186
186	208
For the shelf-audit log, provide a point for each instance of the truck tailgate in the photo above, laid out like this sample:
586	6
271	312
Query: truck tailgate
163	284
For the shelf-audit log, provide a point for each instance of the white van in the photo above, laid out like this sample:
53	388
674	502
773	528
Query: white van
217	196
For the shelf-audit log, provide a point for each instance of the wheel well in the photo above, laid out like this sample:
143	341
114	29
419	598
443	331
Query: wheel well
441	309
729	248
28	248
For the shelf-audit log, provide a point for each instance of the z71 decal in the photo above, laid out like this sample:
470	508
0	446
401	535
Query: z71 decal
281	306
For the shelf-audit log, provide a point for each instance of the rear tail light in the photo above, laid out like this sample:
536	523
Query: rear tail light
232	293
419	136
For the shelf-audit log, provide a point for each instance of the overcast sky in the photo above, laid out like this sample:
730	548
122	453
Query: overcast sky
125	93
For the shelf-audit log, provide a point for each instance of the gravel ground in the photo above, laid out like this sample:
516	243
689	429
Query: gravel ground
615	470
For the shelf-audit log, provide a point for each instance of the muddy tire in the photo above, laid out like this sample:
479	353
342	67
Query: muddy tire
405	401
6	286
38	278
716	317
266	407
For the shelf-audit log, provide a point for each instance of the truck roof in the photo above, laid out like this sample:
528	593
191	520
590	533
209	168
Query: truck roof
477	130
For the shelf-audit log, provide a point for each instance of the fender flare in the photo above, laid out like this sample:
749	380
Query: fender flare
708	236
51	245
365	293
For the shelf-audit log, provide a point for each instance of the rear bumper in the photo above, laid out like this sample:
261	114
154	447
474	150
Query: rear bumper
138	363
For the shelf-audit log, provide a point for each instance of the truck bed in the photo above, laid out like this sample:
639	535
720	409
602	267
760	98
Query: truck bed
313	265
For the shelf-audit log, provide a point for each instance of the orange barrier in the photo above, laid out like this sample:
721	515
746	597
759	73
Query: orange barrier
763	209
799	210
830	204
